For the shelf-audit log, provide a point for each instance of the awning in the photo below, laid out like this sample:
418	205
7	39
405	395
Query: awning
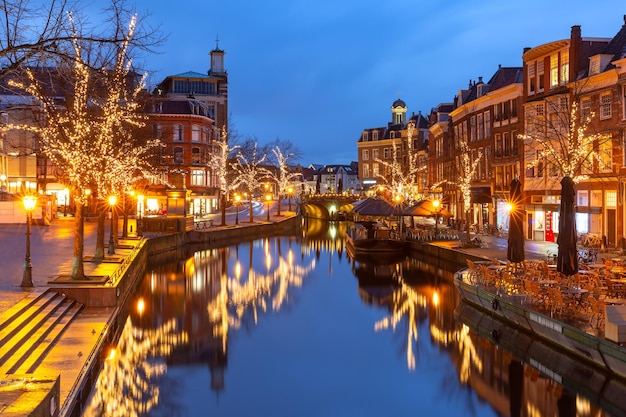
480	195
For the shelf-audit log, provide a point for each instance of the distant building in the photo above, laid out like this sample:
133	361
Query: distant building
376	149
187	112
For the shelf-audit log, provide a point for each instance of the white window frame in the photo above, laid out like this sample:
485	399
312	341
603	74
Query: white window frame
177	132
606	100
198	177
195	133
365	154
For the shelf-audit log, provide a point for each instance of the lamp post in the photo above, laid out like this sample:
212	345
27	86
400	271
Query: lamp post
237	200
29	205
436	205
289	192
112	201
87	195
140	199
268	197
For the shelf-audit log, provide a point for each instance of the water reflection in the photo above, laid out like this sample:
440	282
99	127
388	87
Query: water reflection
190	313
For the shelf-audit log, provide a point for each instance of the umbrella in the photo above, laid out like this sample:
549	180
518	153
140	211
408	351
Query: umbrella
374	207
425	208
567	260
515	249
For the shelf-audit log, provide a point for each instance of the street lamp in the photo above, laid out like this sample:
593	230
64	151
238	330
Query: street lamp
237	200
289	192
29	205
436	205
268	198
112	201
87	196
140	198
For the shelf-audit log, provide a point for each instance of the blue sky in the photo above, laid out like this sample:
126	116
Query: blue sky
318	72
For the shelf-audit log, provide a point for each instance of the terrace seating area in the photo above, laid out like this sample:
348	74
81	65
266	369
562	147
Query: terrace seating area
580	299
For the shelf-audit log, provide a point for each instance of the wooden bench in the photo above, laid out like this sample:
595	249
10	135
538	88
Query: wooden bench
615	323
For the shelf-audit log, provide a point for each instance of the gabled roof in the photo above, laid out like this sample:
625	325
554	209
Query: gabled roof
505	76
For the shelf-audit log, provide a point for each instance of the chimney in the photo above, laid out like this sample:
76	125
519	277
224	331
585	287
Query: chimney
576	59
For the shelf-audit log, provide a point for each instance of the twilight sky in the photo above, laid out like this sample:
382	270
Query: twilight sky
318	72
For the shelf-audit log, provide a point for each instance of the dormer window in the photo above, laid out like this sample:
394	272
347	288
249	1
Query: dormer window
365	137
375	135
594	65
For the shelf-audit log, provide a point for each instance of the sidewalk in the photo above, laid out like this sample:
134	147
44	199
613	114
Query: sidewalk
51	249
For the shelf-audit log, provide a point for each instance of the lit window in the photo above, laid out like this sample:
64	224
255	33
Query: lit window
366	154
178	155
554	70
585	109
198	177
195	156
564	67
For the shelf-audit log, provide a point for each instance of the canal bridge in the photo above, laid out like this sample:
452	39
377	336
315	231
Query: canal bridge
325	206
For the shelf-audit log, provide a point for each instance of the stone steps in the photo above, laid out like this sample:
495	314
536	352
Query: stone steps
30	329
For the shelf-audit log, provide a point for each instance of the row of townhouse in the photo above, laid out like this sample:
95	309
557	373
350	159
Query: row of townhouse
506	123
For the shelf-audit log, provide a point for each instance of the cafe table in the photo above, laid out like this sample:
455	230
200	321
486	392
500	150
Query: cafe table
577	293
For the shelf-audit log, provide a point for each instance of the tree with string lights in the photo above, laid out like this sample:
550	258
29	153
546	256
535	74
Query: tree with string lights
220	163
466	169
249	170
561	142
88	137
284	178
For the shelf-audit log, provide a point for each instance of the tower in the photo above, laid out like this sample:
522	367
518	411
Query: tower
398	112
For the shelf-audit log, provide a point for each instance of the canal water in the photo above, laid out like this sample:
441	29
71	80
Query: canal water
293	326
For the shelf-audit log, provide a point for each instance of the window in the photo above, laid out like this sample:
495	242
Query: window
624	147
195	156
564	67
375	135
582	198
594	65
366	137
195	133
472	128
178	155
177	135
375	154
605	155
481	127
392	134
554	70
375	170
507	144
366	171
611	198
198	177
540	76
499	145
596	198
157	131
531	80
386	153
487	119
513	108
605	106
366	154
624	101
585	109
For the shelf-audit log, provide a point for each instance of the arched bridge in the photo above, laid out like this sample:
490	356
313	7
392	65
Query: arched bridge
325	206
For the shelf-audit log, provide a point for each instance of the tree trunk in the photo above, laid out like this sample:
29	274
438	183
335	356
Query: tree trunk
278	209
99	252
251	214
78	270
